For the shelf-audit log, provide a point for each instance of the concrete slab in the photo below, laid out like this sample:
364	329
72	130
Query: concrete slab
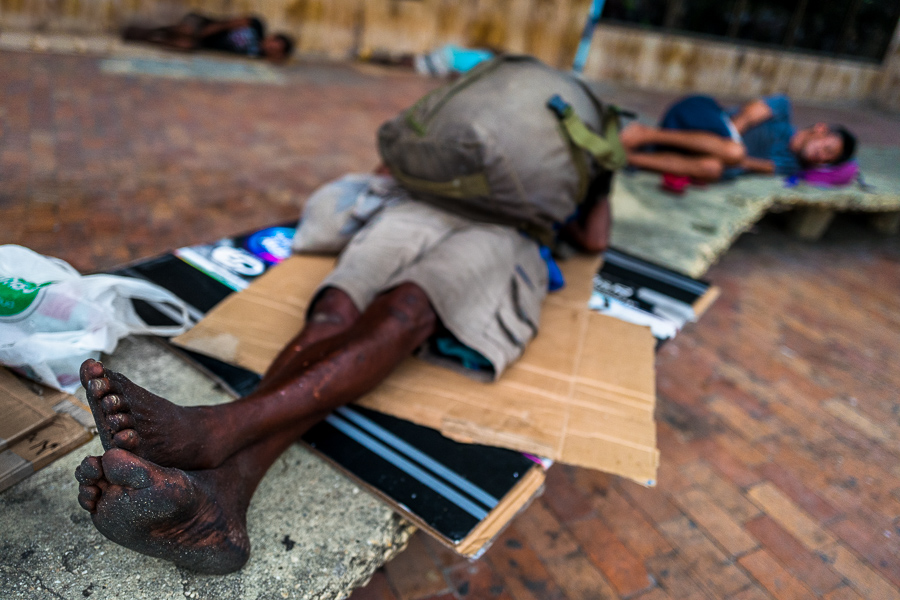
315	534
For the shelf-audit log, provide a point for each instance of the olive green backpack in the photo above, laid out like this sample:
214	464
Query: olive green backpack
514	142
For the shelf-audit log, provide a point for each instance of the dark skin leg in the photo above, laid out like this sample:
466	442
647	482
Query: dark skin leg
196	518
333	313
334	361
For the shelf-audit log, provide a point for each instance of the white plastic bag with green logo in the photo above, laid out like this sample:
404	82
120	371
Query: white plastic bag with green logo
52	318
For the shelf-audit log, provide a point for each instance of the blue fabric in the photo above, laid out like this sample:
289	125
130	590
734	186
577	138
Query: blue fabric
453	348
771	139
696	113
244	40
555	281
464	59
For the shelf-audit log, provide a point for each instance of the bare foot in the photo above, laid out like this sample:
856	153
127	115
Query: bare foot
131	418
196	520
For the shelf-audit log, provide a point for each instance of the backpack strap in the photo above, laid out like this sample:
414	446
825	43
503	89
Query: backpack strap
462	187
606	149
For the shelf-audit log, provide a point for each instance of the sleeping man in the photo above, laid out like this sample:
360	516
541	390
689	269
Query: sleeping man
245	36
699	140
175	482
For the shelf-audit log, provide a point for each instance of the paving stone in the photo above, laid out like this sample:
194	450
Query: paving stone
717	523
774	577
414	575
621	567
793	556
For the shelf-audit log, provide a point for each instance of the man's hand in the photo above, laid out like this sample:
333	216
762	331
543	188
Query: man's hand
751	114
758	165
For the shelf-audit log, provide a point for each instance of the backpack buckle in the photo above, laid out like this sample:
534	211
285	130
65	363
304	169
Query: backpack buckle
559	106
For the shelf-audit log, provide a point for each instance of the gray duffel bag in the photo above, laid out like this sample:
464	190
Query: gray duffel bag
514	142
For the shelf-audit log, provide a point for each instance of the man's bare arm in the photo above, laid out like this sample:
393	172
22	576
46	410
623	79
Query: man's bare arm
758	165
751	114
214	28
590	231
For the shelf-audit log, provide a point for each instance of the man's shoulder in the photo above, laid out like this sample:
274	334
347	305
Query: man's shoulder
780	105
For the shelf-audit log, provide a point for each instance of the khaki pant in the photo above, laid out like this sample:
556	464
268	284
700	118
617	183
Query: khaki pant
485	282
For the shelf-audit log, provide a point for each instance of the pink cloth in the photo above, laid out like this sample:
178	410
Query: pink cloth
831	175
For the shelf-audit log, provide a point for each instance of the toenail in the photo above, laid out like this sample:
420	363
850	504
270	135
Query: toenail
112	402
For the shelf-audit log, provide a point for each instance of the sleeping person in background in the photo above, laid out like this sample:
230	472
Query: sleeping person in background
446	61
244	35
698	140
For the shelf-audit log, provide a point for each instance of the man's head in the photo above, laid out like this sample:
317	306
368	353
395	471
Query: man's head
823	144
277	47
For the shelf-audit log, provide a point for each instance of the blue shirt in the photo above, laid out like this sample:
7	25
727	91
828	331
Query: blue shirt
770	139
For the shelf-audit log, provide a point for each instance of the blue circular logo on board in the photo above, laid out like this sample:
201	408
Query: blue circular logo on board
273	245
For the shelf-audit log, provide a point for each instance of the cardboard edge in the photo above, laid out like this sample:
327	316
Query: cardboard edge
519	496
77	435
8	443
702	304
180	353
515	501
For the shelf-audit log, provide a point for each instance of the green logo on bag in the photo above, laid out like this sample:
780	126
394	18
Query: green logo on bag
17	295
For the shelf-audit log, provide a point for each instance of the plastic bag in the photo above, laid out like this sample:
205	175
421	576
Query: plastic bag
52	319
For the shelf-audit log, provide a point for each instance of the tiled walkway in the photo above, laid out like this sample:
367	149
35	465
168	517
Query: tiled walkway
779	417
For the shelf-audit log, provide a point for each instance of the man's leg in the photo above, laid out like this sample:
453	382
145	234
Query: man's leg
332	313
305	383
197	518
703	168
704	143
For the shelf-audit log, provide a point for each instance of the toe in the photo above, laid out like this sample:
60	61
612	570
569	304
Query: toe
120	421
113	403
88	496
126	440
89	471
90	369
97	388
125	469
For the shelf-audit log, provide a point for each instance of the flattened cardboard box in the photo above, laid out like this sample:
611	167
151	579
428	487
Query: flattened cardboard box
583	393
40	448
19	414
60	430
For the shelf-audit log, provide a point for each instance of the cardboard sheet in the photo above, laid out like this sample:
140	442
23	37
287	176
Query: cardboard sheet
582	394
35	427
21	415
40	448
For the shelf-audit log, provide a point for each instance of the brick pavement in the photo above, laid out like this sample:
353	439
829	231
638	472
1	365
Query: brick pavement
778	414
